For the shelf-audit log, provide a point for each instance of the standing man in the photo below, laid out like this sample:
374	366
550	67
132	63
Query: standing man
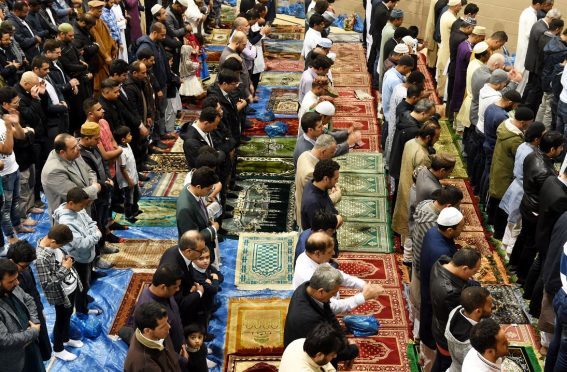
24	34
107	47
378	19
527	19
395	21
447	20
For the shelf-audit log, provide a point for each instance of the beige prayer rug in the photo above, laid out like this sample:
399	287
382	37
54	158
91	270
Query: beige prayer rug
138	253
365	237
363	209
361	162
265	261
256	325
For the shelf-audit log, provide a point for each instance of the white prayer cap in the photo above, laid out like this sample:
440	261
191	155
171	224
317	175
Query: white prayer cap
449	217
156	8
454	2
409	40
183	2
325	43
401	49
480	47
325	108
332	56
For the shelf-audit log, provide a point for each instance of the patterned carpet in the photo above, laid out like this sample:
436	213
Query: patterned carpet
158	212
137	283
138	253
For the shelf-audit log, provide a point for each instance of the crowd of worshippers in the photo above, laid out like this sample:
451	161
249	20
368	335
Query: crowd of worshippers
509	115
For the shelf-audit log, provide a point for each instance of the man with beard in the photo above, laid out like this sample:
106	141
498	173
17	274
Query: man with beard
86	43
19	319
108	49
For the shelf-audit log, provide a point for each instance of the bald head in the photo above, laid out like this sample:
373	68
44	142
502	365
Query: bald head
495	61
28	80
190	240
240	22
239	37
318	242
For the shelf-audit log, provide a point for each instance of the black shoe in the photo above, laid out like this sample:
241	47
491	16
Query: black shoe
228	208
144	168
167	137
222	231
97	275
118	208
139	212
160	144
132	219
227	215
231	195
250	110
236	188
245	138
151	162
142	177
111	238
116	226
90	298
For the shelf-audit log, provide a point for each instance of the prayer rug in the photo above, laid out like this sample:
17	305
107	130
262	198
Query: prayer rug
228	15
365	237
354	108
507	306
274	64
338	47
282	147
472	221
158	212
362	162
348	92
280	79
265	167
262	206
353	184
213	67
351	80
367	125
138	253
459	171
256	325
241	363
213	55
521	359
177	146
164	184
388	308
344	38
384	352
429	82
522	334
138	282
370	143
188	116
265	261
218	36
169	163
462	185
283	101
257	128
286	36
492	270
476	239
287	28
350	68
363	209
374	268
288	49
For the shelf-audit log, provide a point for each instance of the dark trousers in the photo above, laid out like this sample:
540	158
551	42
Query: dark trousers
131	198
556	360
533	92
524	251
62	323
441	363
81	300
497	217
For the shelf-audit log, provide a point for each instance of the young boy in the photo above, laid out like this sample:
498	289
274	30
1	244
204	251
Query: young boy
60	283
196	349
127	174
82	248
210	278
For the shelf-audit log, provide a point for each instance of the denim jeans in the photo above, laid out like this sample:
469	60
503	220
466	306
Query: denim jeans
10	216
557	354
561	117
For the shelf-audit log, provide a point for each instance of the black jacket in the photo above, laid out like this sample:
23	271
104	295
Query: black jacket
554	53
406	129
32	114
60	79
10	73
192	143
550	276
161	68
85	42
536	33
231	117
445	289
41	26
137	93
303	314
188	301
70	60
24	37
552	204
246	5
537	168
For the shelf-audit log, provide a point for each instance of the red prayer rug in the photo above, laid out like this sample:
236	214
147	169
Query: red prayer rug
522	334
252	363
464	186
389	308
369	143
349	67
475	239
137	283
472	220
384	352
348	92
374	268
258	126
354	107
360	79
274	64
367	125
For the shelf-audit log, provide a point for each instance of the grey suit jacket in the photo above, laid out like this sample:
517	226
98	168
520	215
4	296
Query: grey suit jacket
14	337
303	145
59	176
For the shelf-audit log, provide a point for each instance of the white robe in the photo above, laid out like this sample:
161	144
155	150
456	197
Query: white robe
312	38
527	19
121	21
368	35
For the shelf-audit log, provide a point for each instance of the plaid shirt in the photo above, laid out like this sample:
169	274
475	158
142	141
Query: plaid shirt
110	19
51	275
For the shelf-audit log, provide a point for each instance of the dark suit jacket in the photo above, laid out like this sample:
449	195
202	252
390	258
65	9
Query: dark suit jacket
60	79
186	300
32	114
191	217
231	117
40	26
192	143
552	204
378	19
535	34
24	37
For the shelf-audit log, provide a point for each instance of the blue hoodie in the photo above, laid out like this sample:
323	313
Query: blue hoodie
85	233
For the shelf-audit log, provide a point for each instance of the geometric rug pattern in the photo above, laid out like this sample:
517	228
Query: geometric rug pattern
138	253
138	282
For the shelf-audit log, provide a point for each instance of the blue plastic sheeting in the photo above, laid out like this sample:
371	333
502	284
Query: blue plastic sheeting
263	93
154	233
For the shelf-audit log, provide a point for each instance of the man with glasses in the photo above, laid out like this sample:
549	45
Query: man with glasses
179	257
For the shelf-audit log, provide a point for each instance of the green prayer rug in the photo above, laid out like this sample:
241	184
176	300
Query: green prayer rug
362	184
459	171
365	237
158	212
265	261
363	209
281	147
521	359
281	79
265	167
361	162
263	205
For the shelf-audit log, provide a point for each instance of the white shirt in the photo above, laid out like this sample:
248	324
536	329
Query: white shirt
527	19
306	83
304	269
10	165
474	362
51	91
206	136
294	359
128	161
50	14
486	97
312	38
309	100
563	95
